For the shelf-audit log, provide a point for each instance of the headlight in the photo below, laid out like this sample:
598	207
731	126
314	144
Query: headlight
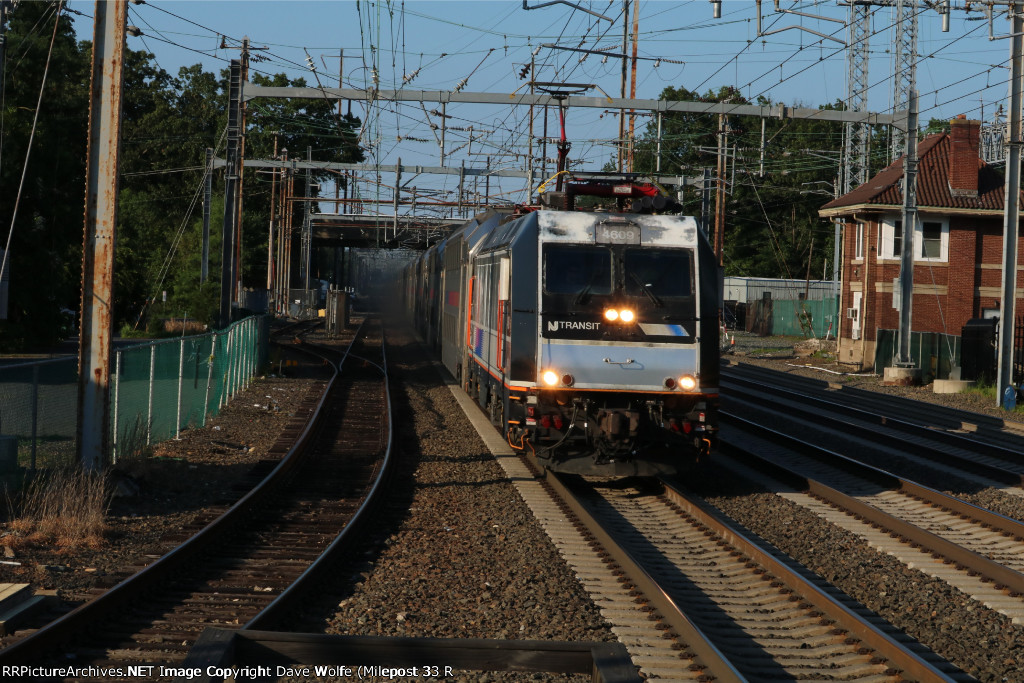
550	378
623	315
687	382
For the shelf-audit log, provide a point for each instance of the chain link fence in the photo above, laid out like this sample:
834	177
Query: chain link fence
157	390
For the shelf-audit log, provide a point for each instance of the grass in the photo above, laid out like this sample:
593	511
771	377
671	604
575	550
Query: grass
989	391
63	507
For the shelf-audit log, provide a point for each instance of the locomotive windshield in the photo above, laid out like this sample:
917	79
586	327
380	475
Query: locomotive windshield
577	270
658	274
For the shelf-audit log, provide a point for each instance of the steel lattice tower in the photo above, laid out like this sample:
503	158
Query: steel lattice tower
905	78
857	134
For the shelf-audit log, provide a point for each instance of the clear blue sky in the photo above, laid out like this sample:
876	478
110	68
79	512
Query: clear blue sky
431	45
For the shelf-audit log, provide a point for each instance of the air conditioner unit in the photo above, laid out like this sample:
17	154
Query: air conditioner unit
851	314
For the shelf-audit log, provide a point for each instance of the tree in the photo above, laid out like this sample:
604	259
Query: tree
771	211
45	256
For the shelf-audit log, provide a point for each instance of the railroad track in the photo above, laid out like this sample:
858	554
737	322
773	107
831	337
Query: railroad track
244	568
887	429
693	599
908	414
737	610
968	546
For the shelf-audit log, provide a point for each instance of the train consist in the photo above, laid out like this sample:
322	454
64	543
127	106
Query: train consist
591	339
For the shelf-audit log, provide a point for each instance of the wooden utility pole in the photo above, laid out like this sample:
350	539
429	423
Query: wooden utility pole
232	171
273	216
723	148
622	112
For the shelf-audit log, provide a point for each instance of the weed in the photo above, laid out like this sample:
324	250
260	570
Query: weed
981	388
64	507
134	454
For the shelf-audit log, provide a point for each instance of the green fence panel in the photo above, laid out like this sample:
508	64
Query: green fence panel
794	317
934	353
130	400
157	390
38	406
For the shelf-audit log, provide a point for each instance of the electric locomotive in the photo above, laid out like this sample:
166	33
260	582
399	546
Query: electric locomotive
590	338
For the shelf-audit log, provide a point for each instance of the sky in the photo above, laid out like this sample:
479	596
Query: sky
483	45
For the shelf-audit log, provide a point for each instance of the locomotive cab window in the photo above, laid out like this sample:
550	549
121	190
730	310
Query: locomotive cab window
577	270
658	274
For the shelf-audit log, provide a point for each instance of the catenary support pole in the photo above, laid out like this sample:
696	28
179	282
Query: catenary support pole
909	230
1011	214
104	146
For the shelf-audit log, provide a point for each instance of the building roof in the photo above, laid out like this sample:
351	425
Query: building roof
885	190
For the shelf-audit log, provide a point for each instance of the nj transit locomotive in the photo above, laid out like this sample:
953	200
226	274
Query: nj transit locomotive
591	339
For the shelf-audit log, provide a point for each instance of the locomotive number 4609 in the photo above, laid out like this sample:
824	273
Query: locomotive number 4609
623	235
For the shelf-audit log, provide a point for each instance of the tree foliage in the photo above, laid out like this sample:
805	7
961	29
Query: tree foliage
168	122
44	260
773	190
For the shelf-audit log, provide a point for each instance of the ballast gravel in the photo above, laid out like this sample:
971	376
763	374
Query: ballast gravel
981	642
457	553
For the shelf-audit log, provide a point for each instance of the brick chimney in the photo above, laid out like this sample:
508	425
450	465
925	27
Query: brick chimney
963	156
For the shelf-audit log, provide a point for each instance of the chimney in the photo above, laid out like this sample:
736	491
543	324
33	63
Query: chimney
963	156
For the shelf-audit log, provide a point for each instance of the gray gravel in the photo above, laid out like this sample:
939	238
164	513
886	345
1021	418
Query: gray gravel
457	554
980	641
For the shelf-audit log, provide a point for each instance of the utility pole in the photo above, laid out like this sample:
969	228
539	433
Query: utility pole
529	150
705	202
104	146
204	267
723	148
632	79
231	173
1011	213
622	112
4	256
236	285
273	221
903	358
307	227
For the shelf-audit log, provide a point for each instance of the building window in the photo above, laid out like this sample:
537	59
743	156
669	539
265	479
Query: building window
890	239
931	240
858	249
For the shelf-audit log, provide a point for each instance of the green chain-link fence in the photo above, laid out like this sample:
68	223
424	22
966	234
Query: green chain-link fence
157	389
933	352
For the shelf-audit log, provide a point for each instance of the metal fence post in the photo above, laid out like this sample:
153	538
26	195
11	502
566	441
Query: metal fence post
226	374
181	383
209	375
152	380
250	350
117	396
233	362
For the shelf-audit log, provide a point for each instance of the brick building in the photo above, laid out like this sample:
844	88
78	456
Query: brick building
957	245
